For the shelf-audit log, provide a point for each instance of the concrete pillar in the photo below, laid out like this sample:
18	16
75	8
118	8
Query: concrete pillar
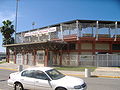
46	58
20	68
87	72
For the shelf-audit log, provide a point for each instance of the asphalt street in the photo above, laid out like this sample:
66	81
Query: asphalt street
92	83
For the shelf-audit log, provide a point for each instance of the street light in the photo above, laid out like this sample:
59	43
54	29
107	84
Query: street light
16	18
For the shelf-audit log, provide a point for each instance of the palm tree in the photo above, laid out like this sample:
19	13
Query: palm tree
7	31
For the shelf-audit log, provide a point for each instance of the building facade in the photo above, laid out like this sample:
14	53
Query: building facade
72	43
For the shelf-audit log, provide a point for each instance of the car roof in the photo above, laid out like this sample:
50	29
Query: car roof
39	68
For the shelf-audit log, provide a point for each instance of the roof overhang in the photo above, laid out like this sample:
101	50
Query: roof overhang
50	45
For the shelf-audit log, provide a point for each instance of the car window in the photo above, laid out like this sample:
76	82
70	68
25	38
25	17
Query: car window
54	74
28	73
40	75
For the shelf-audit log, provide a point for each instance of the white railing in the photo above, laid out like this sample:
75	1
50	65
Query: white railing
100	60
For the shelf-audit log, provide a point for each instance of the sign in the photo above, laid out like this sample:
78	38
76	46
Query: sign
40	32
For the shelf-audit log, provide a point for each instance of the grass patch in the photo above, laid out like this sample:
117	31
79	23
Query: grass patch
75	68
2	62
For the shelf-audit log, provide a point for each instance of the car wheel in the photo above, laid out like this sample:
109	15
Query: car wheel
61	88
18	86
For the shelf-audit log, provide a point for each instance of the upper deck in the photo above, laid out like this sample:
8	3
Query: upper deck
73	31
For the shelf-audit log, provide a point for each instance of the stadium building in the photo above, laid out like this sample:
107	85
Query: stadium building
72	43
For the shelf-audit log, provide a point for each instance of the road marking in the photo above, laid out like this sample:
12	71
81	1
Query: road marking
8	69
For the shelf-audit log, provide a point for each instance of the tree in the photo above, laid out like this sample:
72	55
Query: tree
7	31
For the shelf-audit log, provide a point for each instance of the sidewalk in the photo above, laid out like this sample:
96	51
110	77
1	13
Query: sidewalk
107	72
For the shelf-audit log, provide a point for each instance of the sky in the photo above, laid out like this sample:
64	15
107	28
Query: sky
48	12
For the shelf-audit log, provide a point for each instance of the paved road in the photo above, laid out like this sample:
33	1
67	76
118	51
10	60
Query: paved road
102	83
4	75
93	83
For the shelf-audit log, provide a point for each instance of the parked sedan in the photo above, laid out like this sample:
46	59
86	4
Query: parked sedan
44	78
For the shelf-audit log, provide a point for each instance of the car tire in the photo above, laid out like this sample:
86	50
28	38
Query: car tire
18	86
61	88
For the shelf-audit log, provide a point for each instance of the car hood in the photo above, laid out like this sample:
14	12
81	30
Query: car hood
69	81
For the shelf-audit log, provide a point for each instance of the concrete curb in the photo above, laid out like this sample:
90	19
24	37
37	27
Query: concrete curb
68	74
106	76
93	76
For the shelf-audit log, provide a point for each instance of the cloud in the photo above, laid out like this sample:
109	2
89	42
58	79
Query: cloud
6	16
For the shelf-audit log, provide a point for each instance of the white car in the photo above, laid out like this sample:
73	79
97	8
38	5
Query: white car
44	78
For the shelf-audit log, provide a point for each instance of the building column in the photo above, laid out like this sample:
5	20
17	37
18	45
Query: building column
15	56
68	52
61	29
60	57
27	56
23	56
46	58
93	47
34	53
115	31
97	25
110	48
79	52
77	27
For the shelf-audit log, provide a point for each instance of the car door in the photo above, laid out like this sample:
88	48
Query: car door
41	81
27	79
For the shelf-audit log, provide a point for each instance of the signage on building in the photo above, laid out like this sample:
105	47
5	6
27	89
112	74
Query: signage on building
40	32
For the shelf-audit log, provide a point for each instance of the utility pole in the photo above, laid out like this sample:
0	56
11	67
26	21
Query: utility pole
16	18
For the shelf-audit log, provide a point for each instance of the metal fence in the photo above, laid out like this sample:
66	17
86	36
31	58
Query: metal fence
100	60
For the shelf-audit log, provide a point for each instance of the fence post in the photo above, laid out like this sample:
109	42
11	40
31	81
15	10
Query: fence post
107	59
97	60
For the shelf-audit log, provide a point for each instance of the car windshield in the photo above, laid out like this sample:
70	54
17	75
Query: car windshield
54	74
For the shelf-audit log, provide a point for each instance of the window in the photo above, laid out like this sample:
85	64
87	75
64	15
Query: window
72	46
54	74
40	56
28	73
40	75
35	74
116	47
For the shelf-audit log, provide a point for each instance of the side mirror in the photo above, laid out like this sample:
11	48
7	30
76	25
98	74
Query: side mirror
48	79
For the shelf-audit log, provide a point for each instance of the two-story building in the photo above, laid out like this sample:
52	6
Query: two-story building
72	43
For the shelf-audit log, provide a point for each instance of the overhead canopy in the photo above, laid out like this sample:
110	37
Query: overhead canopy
50	45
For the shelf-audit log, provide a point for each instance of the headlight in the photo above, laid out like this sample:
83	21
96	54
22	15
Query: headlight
78	87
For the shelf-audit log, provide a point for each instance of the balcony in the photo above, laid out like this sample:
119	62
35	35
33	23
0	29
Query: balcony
72	31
